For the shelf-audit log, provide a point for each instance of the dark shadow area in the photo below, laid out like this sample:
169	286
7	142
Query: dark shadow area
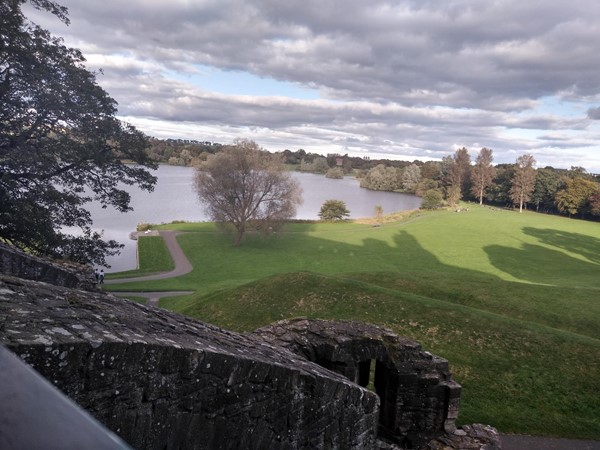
586	246
537	264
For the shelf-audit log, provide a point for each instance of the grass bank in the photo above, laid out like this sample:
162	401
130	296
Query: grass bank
153	257
511	300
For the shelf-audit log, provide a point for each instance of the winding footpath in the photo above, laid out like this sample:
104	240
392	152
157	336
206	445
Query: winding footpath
183	266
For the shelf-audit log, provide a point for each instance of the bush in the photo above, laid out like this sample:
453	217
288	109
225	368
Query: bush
335	172
143	226
432	199
333	210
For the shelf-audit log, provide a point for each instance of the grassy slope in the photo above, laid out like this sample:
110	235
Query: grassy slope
519	376
512	300
153	257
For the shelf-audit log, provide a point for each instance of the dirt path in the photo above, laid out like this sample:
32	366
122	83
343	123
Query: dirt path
153	297
182	266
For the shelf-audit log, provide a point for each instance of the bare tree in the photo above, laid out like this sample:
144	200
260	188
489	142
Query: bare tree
482	173
247	187
379	214
523	181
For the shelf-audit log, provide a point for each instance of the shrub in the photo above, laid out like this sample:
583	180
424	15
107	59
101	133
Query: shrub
333	210
335	172
432	199
143	226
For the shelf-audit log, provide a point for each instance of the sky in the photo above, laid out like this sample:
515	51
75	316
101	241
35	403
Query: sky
403	79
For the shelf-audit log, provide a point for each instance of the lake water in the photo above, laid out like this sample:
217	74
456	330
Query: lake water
174	198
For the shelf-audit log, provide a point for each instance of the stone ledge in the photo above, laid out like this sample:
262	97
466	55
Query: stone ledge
159	379
14	262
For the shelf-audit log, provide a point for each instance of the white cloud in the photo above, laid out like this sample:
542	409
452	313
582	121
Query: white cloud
409	77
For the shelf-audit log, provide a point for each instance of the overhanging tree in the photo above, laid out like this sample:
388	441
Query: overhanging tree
246	187
61	145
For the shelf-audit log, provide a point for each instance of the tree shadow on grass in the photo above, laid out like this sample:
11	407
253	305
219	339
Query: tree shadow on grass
540	264
581	244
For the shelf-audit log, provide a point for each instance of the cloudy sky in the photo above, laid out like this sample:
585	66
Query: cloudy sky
403	79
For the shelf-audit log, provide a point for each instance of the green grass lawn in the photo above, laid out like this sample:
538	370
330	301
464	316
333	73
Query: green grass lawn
153	257
511	300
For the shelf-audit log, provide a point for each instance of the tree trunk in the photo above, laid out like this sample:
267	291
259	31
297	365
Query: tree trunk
238	240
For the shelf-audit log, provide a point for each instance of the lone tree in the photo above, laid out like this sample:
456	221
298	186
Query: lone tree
523	180
247	187
482	174
61	145
379	214
333	210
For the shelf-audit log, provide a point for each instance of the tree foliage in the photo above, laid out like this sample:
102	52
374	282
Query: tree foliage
411	177
458	171
336	173
595	203
432	199
61	145
499	191
334	210
547	183
575	198
482	174
247	187
317	165
523	181
382	178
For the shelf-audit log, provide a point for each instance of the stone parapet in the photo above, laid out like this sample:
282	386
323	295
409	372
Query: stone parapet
419	398
14	262
160	380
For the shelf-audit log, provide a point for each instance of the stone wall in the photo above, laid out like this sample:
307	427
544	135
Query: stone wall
16	263
419	399
160	380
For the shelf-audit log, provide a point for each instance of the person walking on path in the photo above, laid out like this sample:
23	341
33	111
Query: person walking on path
101	276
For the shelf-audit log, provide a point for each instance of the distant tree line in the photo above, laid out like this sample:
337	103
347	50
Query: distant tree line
570	192
181	152
191	152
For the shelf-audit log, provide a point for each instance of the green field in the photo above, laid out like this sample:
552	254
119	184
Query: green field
153	257
511	300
